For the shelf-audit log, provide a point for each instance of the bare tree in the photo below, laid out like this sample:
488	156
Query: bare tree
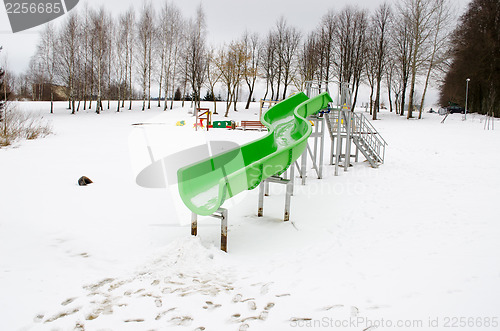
401	47
441	30
309	66
380	25
325	41
390	72
268	68
350	51
213	75
174	43
371	65
3	88
419	15
145	38
100	29
288	40
230	62
46	51
252	62
196	54
67	51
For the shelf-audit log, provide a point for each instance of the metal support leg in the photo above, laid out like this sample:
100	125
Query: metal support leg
348	141
223	230
338	149
221	214
321	148
266	191
303	167
292	176
289	192
260	211
194	224
332	151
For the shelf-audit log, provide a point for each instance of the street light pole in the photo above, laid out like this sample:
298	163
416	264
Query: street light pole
466	96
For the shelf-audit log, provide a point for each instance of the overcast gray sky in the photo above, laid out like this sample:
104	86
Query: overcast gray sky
226	19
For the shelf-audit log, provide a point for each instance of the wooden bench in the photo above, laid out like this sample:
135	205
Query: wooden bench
252	125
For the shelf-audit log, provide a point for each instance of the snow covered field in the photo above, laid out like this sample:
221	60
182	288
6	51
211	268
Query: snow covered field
412	245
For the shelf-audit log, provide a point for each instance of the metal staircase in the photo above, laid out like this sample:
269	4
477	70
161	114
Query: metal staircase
357	127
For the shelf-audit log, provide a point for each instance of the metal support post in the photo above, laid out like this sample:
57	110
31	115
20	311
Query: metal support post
303	167
348	140
332	150
289	193
338	150
321	147
221	214
260	211
223	229
194	224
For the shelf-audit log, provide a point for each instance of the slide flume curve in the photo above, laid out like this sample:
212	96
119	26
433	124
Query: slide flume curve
205	185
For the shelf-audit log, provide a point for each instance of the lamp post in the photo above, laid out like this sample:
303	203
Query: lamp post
466	96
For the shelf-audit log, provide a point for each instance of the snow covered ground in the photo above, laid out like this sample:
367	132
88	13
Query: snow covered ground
412	245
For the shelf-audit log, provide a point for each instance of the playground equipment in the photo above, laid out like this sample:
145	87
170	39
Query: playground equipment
222	124
204	120
269	102
205	115
180	123
205	185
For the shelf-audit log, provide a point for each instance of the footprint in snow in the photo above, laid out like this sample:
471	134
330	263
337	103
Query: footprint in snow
244	327
269	306
67	301
210	305
61	315
252	305
181	320
235	318
163	313
283	295
332	307
265	288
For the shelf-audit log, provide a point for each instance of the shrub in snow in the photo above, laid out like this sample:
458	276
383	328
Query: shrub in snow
17	125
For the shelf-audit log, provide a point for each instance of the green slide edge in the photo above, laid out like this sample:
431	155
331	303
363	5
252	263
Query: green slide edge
213	180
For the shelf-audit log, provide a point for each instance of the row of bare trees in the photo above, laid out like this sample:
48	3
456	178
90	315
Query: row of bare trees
399	49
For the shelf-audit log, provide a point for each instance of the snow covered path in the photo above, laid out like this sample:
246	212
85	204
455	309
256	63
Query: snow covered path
415	241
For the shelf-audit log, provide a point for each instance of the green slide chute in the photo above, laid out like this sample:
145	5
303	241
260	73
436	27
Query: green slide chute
205	185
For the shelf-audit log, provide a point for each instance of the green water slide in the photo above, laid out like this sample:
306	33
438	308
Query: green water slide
205	185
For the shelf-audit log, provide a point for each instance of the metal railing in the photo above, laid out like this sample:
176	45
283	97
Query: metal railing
362	131
366	132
